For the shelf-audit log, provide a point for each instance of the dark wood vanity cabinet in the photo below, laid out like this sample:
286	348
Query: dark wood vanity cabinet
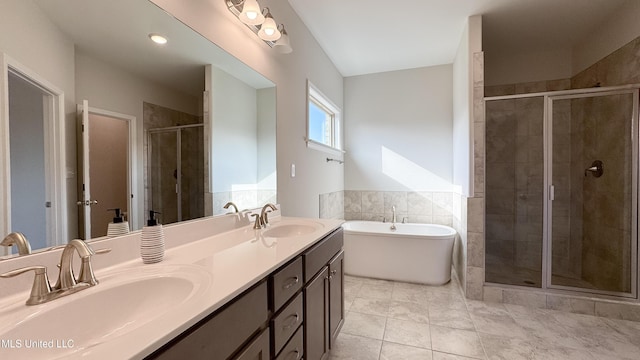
295	313
323	295
220	336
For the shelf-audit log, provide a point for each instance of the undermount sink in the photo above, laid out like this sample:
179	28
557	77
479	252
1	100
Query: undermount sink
111	309
291	229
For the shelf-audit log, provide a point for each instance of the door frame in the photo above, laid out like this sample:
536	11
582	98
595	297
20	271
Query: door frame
132	180
55	152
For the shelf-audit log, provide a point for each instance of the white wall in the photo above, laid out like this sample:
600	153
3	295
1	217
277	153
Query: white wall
461	116
267	179
298	196
111	88
398	130
234	133
509	66
463	83
617	30
28	37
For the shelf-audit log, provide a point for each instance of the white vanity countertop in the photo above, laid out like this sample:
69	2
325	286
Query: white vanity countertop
227	264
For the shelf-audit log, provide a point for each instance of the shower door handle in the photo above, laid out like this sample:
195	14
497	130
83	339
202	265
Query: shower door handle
596	169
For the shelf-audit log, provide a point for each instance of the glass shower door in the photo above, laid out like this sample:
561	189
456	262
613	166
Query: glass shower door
163	175
593	192
514	186
176	172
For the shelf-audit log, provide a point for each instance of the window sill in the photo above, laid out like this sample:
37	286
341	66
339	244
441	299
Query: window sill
324	148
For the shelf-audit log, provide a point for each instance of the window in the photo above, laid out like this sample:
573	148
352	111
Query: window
323	121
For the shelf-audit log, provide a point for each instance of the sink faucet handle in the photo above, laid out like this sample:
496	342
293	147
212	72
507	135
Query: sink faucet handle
265	217
86	274
102	251
40	287
258	223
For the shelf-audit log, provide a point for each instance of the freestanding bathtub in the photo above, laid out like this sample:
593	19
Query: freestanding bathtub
418	253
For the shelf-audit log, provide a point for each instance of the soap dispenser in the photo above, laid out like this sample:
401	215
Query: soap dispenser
118	226
152	241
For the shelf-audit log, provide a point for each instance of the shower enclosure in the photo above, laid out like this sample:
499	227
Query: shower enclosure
561	190
176	172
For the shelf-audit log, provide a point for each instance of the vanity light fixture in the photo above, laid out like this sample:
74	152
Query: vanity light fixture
262	23
158	39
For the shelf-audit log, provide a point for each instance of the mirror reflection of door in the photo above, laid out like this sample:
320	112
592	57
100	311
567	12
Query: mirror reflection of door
28	113
105	163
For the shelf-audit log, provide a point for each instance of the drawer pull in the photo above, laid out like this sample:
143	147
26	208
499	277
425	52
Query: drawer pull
297	354
291	323
294	281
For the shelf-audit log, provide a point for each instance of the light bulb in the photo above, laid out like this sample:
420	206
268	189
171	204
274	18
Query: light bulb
158	39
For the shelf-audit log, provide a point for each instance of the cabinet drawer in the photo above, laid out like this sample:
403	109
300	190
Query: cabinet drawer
286	323
320	254
285	283
295	347
258	349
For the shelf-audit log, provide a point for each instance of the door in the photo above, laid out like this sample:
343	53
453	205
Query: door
39	134
336	296
592	212
316	313
28	167
105	160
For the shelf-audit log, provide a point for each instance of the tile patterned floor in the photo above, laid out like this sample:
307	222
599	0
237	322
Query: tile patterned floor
388	320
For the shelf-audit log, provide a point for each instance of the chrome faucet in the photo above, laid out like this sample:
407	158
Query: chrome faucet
231	204
263	219
393	217
41	290
19	240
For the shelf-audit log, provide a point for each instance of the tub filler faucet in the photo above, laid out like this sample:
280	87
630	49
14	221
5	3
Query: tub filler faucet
393	218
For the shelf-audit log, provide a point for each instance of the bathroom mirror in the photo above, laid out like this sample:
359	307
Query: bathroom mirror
196	125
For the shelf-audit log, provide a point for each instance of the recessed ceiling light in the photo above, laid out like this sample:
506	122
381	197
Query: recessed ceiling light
158	39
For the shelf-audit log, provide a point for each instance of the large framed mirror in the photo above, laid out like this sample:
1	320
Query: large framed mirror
124	123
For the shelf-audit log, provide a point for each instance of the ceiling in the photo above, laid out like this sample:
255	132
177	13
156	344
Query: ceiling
179	64
359	35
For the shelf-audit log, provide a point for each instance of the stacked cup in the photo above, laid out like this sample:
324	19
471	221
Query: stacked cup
152	244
